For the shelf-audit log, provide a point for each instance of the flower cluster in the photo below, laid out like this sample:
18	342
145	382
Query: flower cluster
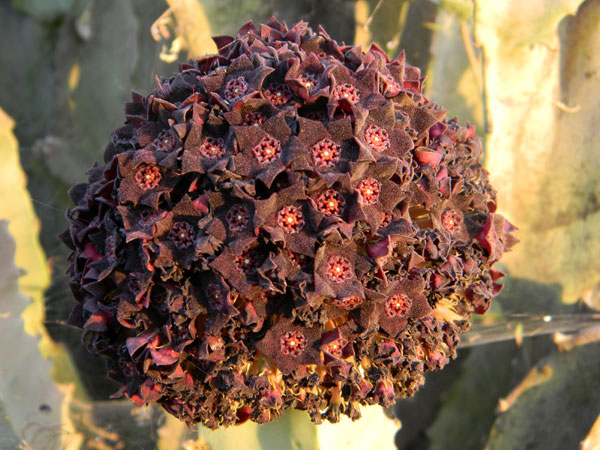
289	223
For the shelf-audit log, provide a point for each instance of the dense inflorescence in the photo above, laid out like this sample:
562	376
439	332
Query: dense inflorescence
288	224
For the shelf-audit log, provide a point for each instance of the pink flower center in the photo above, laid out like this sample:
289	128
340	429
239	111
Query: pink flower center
267	150
335	347
165	142
347	92
238	217
248	261
182	234
326	153
348	303
377	138
331	202
397	305
255	118
339	269
308	80
451	220
212	148
278	94
235	88
369	190
292	343
147	176
290	219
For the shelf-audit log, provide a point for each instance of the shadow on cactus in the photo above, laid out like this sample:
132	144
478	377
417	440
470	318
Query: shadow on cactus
287	224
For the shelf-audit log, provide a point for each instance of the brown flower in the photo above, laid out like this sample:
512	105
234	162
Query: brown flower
287	224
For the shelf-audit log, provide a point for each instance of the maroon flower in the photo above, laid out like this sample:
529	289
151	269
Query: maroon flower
212	147
167	141
336	272
449	216
380	135
182	234
291	219
284	216
290	345
234	216
147	176
349	90
325	153
143	178
287	224
264	151
278	94
346	92
235	89
331	202
243	80
327	149
267	150
390	308
207	149
376	193
307	79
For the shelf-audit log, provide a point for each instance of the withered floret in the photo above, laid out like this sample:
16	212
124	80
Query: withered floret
288	224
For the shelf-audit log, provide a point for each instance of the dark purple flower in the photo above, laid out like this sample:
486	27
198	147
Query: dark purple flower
391	307
264	151
143	179
287	224
243	80
376	193
285	217
290	345
336	271
307	79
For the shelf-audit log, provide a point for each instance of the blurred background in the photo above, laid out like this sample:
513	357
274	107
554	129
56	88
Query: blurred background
526	73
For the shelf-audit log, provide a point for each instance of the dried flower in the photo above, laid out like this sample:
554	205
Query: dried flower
287	224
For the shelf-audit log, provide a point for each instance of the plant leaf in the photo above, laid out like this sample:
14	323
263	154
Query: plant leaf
295	431
25	383
469	407
451	79
47	10
567	400
542	153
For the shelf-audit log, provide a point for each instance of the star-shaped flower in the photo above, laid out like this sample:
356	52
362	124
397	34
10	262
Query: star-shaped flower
264	151
306	78
144	180
379	134
337	271
327	149
242	80
285	217
376	194
290	345
390	308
